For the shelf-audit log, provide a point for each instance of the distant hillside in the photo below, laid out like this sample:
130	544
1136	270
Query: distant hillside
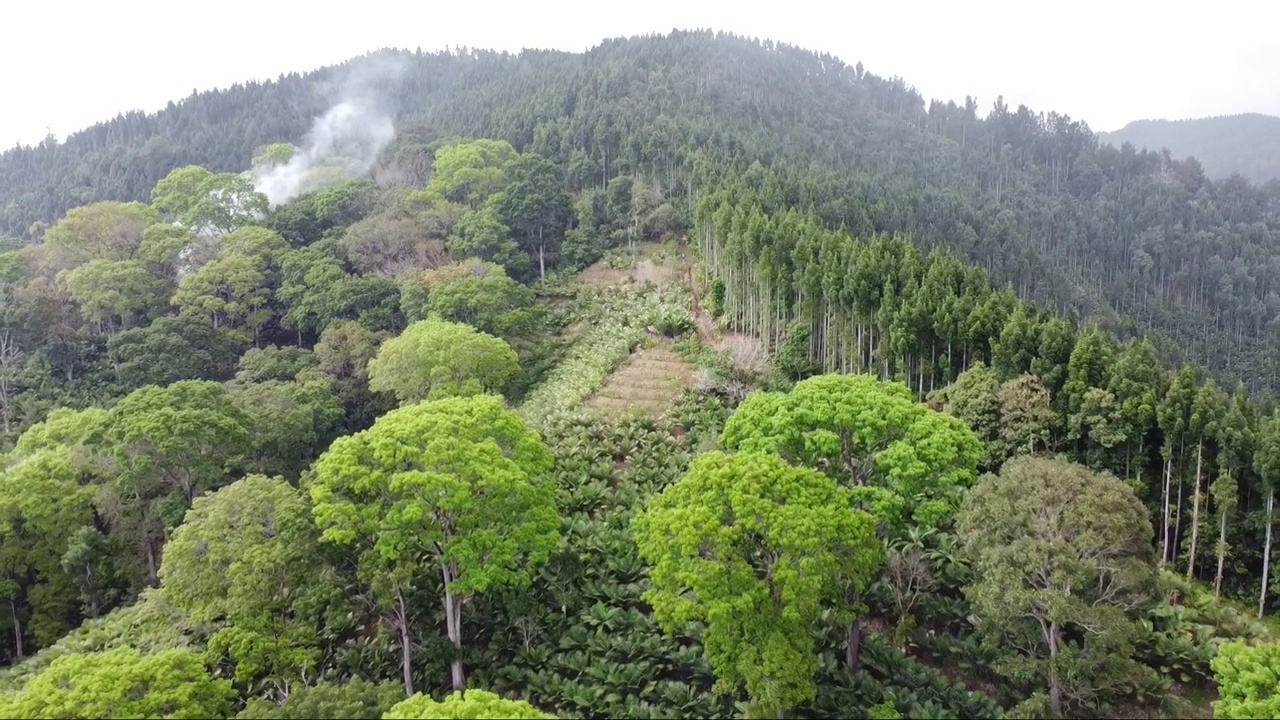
1247	144
1129	239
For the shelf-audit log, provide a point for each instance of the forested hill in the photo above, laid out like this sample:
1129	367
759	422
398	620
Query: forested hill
1248	144
1132	240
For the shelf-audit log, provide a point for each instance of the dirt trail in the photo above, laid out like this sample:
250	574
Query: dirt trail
706	329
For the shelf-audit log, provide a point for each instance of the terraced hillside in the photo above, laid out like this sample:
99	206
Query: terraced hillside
651	380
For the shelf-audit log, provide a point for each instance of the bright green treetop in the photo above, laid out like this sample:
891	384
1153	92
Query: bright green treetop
1248	679
467	705
756	549
472	172
863	432
434	359
244	559
122	683
455	487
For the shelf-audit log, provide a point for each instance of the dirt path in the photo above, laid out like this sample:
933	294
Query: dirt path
706	328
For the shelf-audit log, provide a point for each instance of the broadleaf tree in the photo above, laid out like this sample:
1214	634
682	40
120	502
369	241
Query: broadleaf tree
756	549
455	486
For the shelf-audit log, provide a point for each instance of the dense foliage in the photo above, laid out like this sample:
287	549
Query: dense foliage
313	448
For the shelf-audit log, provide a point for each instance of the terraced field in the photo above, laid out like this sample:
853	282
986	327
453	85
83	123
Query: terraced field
651	381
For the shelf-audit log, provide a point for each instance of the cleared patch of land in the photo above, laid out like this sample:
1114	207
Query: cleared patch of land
651	381
653	262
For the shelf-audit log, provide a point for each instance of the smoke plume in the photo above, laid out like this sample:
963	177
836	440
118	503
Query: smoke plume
346	140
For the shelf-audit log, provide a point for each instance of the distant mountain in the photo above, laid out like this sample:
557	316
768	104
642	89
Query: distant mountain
1129	239
1248	144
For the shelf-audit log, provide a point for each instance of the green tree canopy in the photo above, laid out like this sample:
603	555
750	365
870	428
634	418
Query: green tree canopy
169	445
454	486
244	562
1248	677
112	293
471	172
756	549
435	359
208	202
289	423
1063	561
863	432
122	683
476	293
103	231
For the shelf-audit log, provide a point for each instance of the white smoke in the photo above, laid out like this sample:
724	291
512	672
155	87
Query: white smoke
344	142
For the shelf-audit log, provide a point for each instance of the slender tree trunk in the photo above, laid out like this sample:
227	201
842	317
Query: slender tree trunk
1266	555
1195	512
1222	555
93	598
542	262
401	615
1177	526
18	648
1055	688
1164	530
152	574
453	624
853	645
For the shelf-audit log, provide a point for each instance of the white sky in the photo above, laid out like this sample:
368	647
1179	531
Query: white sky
65	65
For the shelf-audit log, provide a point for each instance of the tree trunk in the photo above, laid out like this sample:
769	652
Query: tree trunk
1266	554
853	646
1164	530
18	648
1195	512
1055	688
453	624
152	574
93	598
401	616
1177	525
1222	555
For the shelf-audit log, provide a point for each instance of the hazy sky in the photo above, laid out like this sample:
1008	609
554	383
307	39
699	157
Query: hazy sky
67	65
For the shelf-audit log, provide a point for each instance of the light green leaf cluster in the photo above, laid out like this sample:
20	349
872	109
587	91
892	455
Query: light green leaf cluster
461	478
122	683
109	289
182	437
864	432
208	202
243	561
435	359
466	705
471	172
756	549
1248	679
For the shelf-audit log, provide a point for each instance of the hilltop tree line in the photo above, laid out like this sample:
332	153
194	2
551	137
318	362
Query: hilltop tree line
1134	240
1246	144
